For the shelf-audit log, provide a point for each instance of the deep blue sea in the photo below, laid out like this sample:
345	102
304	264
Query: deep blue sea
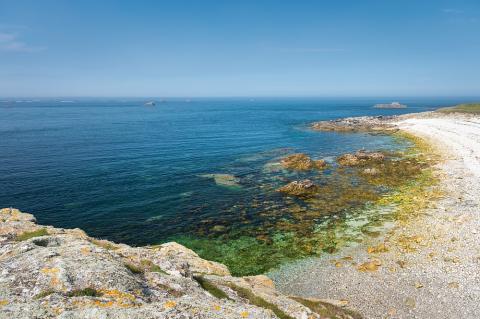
131	173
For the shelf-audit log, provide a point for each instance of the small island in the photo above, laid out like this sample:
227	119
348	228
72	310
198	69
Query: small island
393	105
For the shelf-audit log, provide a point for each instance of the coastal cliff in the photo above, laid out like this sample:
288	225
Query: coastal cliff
49	272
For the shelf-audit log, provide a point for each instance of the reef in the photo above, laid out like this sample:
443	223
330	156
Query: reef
370	124
49	272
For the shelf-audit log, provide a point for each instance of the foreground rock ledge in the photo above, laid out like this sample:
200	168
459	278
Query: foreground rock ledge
48	272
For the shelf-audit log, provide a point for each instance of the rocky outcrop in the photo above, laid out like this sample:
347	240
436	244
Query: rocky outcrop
302	162
358	124
360	158
48	272
303	188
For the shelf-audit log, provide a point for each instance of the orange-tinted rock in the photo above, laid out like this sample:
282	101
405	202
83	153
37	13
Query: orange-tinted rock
360	158
302	162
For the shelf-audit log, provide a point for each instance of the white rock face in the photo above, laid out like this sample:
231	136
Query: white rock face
47	272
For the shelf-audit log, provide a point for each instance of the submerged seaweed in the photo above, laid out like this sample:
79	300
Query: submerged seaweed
349	204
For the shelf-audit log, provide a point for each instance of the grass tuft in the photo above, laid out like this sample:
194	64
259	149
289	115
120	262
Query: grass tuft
473	108
44	294
258	301
211	288
32	234
150	266
104	244
328	310
134	269
86	292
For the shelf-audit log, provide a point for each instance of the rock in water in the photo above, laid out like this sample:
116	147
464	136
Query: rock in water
371	171
302	188
226	180
49	272
302	162
360	158
357	124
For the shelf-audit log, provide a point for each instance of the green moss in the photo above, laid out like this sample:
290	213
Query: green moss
156	268
104	244
325	309
32	234
44	294
133	268
211	287
171	291
473	108
152	267
86	292
258	301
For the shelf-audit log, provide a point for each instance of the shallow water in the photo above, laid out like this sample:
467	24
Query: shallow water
143	175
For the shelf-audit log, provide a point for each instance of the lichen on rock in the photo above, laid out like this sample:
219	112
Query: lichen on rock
63	273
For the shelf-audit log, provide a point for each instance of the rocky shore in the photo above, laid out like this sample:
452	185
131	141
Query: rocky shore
426	264
49	272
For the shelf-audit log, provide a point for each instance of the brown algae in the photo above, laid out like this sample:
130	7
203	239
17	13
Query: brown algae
351	204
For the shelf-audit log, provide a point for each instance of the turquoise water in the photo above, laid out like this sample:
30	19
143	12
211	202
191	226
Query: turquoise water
139	175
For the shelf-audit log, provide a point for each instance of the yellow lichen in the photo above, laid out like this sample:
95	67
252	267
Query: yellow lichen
169	304
47	270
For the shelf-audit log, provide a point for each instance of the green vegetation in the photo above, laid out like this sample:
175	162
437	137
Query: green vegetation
86	292
211	288
473	108
104	244
44	294
246	255
258	301
327	310
32	234
152	267
133	268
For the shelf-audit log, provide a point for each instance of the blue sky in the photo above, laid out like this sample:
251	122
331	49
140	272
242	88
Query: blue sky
240	48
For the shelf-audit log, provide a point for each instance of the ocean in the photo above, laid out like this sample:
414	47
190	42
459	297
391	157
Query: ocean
198	170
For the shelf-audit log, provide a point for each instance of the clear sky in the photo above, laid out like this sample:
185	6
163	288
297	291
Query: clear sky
240	48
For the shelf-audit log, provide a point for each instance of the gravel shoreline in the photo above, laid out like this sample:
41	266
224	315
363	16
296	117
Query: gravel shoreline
428	268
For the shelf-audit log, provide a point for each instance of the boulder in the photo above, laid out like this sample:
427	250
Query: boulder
301	188
301	162
360	158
